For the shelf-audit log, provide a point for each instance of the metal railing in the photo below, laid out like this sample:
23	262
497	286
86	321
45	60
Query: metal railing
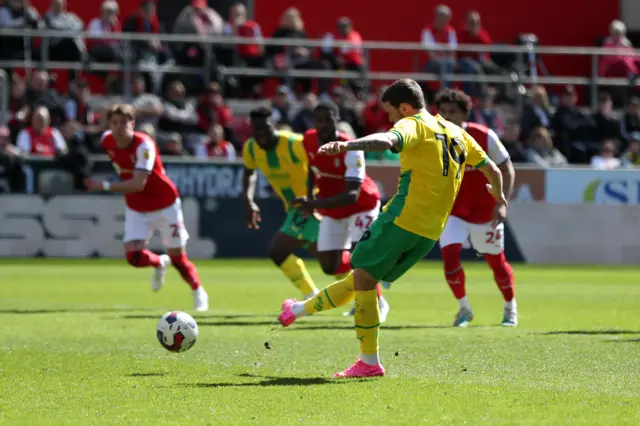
518	76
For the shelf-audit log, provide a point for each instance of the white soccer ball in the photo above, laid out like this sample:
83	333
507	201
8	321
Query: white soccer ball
177	331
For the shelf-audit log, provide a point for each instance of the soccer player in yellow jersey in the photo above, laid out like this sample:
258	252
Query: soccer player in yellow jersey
282	159
433	155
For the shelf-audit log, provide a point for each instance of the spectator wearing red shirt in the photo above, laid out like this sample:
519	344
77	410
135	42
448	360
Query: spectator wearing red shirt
212	110
374	117
349	57
40	139
103	49
623	62
215	146
477	63
251	55
440	33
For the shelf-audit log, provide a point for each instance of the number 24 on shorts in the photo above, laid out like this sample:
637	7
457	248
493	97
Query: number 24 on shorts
493	237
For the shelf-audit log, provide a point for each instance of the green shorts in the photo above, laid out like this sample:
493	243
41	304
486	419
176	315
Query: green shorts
300	227
387	251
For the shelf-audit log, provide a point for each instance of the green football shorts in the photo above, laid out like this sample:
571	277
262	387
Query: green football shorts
387	251
301	228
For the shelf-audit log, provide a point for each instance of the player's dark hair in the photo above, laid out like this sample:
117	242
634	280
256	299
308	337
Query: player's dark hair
405	91
328	106
456	97
125	110
261	113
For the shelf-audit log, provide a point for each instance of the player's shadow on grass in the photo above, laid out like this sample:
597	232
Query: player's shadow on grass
270	381
591	332
624	341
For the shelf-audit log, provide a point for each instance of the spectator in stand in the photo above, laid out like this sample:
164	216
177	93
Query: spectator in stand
487	114
571	127
623	62
348	115
40	139
79	111
442	33
292	27
40	94
174	146
215	146
197	18
12	177
145	21
212	110
537	113
375	119
631	157
180	116
477	63
349	58
17	15
148	106
102	48
540	149
77	160
250	55
511	141
606	125
18	105
630	121
303	119
57	18
281	105
607	159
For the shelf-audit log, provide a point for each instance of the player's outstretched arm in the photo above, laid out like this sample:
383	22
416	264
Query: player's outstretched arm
372	143
495	188
508	177
129	186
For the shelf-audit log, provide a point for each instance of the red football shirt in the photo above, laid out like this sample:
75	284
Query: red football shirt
159	191
474	204
332	172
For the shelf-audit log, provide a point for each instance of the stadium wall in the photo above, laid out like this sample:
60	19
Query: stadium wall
565	216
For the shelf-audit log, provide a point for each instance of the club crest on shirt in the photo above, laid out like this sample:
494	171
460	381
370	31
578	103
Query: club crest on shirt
146	155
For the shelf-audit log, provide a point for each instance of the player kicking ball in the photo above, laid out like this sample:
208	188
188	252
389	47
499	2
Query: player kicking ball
152	203
282	159
433	154
347	199
475	214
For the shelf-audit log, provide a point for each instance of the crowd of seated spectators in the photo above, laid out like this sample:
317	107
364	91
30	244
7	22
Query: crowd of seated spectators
192	119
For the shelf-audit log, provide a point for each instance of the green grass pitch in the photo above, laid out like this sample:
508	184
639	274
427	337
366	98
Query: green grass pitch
78	346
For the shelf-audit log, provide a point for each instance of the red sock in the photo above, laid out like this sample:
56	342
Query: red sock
503	274
187	270
345	263
143	258
379	290
453	271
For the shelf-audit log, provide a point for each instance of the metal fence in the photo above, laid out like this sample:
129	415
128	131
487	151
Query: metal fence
523	53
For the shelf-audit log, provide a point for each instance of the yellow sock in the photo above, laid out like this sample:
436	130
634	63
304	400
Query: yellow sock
367	319
337	294
293	267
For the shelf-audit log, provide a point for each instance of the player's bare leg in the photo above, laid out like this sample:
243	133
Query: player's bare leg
281	252
503	275
139	256
338	263
189	274
454	273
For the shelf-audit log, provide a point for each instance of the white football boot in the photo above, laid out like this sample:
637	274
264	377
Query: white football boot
157	280
200	300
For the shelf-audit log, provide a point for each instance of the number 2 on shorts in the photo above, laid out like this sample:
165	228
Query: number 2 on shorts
493	237
363	224
175	230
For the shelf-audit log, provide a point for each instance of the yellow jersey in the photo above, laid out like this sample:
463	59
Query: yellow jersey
286	167
433	154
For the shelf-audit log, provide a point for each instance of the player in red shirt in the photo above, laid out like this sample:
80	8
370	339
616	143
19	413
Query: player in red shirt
345	196
475	216
152	202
